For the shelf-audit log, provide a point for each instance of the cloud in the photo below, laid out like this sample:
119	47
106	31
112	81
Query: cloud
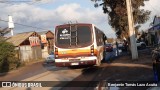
33	15
76	12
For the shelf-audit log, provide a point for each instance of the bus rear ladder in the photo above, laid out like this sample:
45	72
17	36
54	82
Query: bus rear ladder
73	33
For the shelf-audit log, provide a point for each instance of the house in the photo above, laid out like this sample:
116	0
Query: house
154	31
47	42
27	46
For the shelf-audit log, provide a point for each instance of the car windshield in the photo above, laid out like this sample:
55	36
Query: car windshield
52	53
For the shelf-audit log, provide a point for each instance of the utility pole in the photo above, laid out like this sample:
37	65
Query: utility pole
10	24
131	30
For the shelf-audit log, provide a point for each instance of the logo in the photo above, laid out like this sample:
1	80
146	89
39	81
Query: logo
65	31
6	84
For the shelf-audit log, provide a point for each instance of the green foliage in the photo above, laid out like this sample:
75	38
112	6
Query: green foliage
117	13
8	60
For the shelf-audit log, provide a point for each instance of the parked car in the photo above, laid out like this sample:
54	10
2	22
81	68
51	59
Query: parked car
141	45
50	58
108	47
120	45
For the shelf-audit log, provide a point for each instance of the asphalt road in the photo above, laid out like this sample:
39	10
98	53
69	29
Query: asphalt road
40	72
120	69
29	71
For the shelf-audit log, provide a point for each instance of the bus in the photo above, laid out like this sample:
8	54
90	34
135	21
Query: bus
78	44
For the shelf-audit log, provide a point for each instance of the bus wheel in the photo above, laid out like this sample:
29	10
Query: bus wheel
104	54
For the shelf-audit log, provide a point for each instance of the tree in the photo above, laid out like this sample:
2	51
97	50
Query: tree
117	13
8	58
4	31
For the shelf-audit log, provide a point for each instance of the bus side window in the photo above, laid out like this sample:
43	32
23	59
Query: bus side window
97	36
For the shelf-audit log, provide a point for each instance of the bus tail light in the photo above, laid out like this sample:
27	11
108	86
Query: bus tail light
56	52
92	50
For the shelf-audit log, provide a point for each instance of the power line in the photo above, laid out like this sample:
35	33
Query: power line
25	25
38	3
29	2
15	1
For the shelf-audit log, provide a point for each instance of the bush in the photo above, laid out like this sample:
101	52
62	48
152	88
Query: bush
8	60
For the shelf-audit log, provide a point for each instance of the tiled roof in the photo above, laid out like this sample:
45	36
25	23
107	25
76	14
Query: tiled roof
19	38
43	32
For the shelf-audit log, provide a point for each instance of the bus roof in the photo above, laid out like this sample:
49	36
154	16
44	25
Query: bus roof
74	24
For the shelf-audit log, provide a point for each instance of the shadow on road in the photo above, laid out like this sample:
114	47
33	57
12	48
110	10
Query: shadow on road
52	67
90	77
121	69
81	81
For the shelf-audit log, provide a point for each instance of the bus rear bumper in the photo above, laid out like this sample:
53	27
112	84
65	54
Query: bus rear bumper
79	63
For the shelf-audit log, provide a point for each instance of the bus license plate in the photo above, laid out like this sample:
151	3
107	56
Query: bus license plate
74	63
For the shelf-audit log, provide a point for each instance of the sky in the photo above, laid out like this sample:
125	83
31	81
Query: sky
40	15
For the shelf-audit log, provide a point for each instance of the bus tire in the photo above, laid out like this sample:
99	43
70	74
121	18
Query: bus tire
104	56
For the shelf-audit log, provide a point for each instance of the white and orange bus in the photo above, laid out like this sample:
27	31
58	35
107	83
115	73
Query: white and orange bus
78	44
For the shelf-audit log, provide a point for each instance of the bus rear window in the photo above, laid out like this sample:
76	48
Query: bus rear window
63	37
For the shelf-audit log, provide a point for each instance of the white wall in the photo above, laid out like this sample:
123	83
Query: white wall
30	53
25	53
45	52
